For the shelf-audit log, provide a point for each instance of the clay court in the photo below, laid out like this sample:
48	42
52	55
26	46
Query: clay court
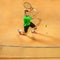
11	19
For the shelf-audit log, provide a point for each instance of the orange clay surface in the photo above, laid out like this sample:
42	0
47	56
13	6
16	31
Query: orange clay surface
11	19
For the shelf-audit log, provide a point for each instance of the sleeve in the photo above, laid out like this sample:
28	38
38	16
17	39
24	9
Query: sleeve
31	18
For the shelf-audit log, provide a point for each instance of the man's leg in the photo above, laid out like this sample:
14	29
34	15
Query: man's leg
26	29
34	27
23	32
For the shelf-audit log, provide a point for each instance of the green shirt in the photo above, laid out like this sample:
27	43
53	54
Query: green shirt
27	20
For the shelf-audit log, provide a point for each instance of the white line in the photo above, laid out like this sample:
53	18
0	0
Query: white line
7	45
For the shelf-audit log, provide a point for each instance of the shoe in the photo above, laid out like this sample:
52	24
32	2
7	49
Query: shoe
34	32
21	32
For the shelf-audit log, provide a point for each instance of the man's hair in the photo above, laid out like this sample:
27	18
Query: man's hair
26	11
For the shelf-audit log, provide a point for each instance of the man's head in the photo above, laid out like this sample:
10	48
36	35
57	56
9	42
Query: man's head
26	12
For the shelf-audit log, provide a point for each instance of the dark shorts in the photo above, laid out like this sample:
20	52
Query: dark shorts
26	27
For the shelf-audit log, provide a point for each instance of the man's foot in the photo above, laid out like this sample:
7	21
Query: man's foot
22	33
34	31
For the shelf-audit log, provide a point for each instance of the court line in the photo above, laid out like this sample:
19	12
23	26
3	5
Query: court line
7	45
29	57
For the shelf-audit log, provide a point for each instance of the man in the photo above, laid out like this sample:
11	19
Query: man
28	23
